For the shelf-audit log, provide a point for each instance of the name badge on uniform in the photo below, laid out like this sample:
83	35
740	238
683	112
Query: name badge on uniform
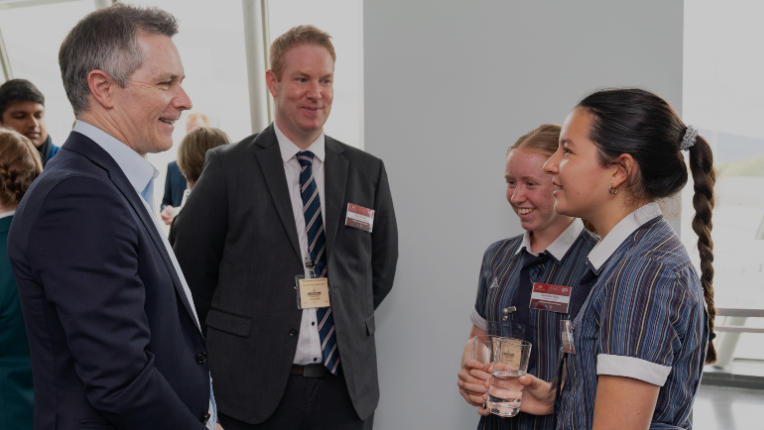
549	297
359	217
312	292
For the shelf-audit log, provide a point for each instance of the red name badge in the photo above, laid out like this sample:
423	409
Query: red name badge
550	297
359	217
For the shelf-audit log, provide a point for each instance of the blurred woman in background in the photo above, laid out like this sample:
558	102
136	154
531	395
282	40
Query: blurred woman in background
191	154
20	164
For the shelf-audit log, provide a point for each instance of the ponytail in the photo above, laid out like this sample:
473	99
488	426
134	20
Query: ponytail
704	177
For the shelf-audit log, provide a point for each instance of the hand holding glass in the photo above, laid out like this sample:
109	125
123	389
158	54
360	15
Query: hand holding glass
475	373
510	363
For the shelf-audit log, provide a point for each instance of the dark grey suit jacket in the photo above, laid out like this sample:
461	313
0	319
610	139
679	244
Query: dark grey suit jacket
236	241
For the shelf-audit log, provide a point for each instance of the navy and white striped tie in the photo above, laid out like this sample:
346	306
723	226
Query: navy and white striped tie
314	226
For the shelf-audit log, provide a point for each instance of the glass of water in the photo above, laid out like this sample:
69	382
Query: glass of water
510	362
483	347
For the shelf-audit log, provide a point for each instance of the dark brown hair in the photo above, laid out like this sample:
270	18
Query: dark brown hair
194	147
18	90
298	35
545	139
20	164
639	123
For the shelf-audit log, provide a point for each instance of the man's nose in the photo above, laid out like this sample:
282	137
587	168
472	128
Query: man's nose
182	101
314	90
33	123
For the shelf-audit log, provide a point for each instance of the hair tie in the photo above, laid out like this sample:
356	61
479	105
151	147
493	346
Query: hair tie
689	138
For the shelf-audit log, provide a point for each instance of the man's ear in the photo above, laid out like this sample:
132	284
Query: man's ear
270	80
102	88
624	167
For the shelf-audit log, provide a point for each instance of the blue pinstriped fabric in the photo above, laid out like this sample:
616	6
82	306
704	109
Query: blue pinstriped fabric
645	311
314	224
497	288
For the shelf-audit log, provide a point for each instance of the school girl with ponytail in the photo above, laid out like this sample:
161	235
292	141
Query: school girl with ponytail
642	337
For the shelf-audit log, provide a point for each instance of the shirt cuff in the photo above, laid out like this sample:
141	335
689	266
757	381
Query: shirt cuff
478	321
632	367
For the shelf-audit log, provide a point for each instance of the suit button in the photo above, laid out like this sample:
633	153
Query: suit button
201	358
205	418
292	332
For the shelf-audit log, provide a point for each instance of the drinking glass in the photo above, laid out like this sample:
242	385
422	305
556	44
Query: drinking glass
483	347
510	363
507	329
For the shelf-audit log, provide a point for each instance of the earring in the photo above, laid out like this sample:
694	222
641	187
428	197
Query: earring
612	191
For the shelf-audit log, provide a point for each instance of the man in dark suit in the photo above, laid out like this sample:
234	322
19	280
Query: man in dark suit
114	338
291	201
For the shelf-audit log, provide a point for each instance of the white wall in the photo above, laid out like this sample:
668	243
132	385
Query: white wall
449	85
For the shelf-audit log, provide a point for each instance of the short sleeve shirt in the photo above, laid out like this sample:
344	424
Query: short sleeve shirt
644	319
497	288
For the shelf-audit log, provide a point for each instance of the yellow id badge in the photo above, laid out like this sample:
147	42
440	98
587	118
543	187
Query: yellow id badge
312	292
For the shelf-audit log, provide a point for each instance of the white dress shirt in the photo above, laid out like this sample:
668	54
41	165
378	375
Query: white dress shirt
309	343
140	173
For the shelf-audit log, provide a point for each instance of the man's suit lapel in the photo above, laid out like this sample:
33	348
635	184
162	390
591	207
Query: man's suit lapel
83	145
272	165
335	177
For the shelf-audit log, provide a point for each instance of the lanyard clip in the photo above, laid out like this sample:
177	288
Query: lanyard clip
310	265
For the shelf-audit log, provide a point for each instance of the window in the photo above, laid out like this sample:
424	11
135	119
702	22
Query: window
33	54
723	93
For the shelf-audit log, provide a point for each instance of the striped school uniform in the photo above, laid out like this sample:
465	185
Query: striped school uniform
499	288
644	319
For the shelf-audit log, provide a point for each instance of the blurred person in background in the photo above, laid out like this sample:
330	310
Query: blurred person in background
191	153
175	183
22	108
19	165
113	335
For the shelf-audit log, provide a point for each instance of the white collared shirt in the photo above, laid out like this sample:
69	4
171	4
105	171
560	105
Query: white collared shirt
561	245
309	342
7	214
140	173
608	245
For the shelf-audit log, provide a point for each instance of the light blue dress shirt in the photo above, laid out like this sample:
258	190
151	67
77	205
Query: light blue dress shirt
141	175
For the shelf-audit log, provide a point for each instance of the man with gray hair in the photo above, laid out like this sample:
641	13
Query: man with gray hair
114	337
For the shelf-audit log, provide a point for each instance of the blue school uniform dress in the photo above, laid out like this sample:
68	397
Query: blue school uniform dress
644	318
503	284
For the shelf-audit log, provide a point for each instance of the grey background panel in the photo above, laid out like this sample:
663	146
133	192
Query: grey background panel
449	85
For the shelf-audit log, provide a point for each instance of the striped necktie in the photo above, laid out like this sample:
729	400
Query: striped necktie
522	299
314	226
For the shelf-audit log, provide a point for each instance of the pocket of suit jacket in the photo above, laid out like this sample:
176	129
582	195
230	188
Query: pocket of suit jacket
95	423
229	323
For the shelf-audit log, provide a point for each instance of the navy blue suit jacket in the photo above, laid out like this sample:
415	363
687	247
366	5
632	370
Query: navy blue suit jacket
174	186
112	340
